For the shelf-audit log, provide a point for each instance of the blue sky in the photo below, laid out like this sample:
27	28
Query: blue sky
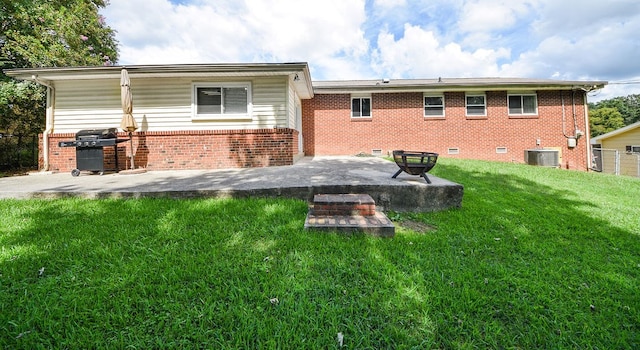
372	39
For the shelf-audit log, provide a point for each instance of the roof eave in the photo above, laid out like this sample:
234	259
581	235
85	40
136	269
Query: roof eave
444	87
610	134
50	75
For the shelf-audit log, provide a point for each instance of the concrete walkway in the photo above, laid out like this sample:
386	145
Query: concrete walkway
309	176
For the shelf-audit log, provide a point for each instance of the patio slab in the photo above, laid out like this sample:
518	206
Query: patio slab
302	180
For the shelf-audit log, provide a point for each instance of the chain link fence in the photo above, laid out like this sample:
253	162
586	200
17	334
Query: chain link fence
613	161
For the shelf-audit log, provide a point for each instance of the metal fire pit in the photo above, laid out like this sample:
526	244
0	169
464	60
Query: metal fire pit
89	146
415	163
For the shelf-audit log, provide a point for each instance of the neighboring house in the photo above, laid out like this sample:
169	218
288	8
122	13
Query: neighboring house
489	119
618	151
280	115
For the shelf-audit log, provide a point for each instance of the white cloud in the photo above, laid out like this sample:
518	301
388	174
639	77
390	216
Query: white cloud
489	16
601	52
157	31
420	54
349	39
387	4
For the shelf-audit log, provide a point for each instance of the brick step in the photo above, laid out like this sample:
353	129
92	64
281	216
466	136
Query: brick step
348	213
343	204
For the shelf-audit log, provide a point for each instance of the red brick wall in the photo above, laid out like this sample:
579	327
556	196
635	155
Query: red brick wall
398	122
211	149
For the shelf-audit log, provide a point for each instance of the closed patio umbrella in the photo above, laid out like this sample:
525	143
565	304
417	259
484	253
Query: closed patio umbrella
128	123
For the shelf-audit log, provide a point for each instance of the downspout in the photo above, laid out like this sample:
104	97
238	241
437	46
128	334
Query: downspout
51	95
585	91
587	132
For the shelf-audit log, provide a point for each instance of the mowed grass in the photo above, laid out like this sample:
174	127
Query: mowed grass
535	258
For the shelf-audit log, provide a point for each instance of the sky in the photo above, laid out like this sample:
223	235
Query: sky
394	39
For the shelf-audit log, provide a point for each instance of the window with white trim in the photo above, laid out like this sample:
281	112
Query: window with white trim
433	105
221	100
633	149
476	105
522	104
360	106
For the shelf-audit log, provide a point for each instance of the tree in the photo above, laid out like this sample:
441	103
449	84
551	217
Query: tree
604	120
44	33
628	106
55	33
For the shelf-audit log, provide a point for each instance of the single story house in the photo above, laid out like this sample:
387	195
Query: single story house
618	151
204	116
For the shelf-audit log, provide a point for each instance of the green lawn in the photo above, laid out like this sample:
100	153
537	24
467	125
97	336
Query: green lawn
535	258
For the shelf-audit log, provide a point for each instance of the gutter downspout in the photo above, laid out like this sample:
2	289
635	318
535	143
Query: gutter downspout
586	90
51	94
587	133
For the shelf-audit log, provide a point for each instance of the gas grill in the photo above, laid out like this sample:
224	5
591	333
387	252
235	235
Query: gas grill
90	145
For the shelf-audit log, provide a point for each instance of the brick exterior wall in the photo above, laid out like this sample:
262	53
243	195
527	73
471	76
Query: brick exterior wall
211	149
397	122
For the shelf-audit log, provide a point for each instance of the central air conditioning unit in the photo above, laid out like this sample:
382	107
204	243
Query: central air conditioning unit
542	157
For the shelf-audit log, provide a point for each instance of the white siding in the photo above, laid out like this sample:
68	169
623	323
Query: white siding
628	162
161	104
269	102
292	108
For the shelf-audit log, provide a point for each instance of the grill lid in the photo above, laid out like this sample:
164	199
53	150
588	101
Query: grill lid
93	134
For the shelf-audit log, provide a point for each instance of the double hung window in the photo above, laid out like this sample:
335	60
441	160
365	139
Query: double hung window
476	105
434	106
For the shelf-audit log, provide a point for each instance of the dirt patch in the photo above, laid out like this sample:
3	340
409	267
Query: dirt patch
416	226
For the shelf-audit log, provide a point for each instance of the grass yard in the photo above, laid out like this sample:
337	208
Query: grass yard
535	258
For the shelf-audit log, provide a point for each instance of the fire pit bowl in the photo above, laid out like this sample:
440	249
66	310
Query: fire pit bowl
415	163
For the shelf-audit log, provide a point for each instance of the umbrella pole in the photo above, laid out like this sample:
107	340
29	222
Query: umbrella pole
131	141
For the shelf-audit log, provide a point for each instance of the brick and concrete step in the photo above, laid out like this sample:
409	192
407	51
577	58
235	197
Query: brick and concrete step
348	213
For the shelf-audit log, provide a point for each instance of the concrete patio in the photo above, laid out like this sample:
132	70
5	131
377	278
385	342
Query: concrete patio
304	179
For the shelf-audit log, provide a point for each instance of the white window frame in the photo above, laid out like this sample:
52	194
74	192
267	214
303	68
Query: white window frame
220	116
633	149
361	97
522	95
433	107
467	105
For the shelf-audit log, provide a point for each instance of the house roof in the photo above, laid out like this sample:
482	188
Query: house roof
298	71
451	84
622	130
302	82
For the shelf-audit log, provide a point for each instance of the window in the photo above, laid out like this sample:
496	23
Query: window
476	105
633	149
523	104
433	106
221	101
361	107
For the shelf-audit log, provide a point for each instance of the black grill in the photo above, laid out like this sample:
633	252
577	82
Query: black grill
89	146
